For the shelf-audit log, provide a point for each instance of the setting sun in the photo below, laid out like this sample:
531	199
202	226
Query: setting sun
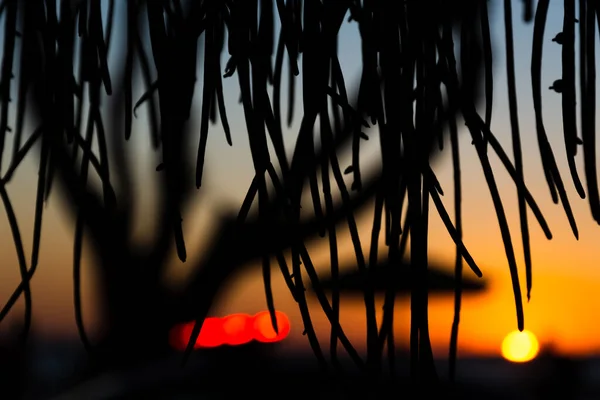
520	346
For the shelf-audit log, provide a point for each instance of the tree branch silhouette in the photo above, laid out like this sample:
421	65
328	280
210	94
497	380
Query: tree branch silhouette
411	90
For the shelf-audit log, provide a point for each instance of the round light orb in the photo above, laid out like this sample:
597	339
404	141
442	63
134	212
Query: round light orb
520	347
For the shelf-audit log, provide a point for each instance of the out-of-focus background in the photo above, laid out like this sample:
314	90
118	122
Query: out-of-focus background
566	278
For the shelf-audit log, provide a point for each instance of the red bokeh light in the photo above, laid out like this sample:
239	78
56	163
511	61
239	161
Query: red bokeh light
263	328
237	329
233	330
211	334
178	334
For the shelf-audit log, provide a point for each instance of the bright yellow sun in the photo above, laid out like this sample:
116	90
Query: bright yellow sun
520	346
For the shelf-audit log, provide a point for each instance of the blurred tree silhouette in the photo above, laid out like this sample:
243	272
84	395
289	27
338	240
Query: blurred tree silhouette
410	89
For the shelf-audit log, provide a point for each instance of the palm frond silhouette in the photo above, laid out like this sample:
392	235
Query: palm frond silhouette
410	89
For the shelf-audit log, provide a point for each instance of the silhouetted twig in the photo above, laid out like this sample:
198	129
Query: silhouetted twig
409	61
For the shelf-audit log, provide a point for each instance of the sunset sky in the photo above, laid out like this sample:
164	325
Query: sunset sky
564	305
